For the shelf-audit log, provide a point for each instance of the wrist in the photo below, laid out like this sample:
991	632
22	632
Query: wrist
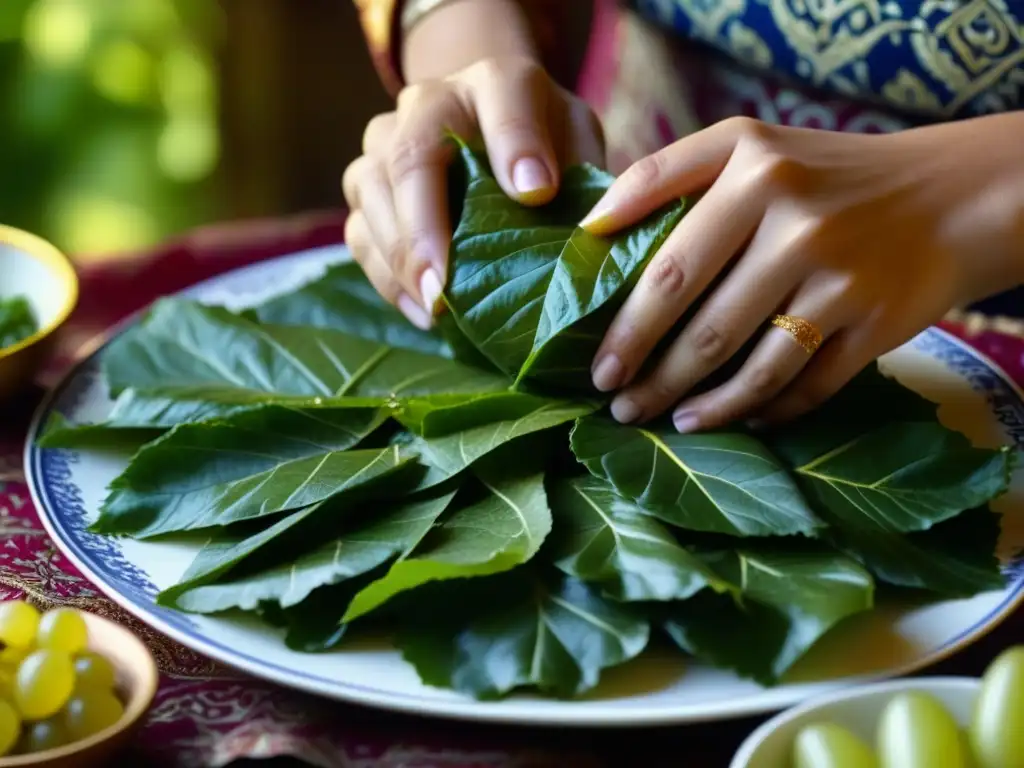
440	38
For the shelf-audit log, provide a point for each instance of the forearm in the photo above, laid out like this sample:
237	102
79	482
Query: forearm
461	32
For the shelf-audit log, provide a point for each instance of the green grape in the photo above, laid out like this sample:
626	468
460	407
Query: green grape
18	623
92	672
90	712
11	657
44	683
10	727
916	731
43	735
826	745
997	726
62	629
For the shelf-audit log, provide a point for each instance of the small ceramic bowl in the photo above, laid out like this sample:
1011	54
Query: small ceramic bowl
136	684
857	709
31	267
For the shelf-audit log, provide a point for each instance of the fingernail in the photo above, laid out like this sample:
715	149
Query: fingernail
598	218
685	421
625	410
530	175
430	289
608	373
413	312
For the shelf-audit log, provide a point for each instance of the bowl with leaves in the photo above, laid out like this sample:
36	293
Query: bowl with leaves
276	469
38	291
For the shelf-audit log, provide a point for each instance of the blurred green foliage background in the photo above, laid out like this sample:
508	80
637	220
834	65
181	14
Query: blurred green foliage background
109	135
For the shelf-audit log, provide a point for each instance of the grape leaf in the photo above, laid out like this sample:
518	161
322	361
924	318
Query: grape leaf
342	299
251	465
530	629
523	278
901	476
447	456
365	543
784	602
492	531
182	344
603	539
718	482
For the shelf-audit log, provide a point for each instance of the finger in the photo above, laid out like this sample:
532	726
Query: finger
682	168
776	361
699	248
378	209
350	181
761	281
830	370
583	140
417	170
360	243
512	108
379	134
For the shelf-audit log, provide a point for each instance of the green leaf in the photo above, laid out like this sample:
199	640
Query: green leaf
549	632
251	465
955	558
17	321
902	476
440	415
342	299
601	538
522	279
786	602
716	482
447	456
184	345
366	542
492	531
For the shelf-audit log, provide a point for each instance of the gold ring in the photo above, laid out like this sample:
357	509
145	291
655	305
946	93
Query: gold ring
804	332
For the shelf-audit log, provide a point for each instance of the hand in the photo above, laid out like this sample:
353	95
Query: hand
399	229
869	238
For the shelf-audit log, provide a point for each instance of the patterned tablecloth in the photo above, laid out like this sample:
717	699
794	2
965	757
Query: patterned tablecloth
206	715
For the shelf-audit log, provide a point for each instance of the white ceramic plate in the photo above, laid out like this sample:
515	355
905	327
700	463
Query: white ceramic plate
661	687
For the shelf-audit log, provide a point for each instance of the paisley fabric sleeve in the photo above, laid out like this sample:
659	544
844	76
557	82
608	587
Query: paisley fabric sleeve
381	22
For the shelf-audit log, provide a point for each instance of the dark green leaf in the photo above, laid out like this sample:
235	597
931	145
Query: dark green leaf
902	476
782	604
17	321
367	542
490	532
342	299
522	279
955	558
552	633
716	482
449	455
251	465
601	538
186	345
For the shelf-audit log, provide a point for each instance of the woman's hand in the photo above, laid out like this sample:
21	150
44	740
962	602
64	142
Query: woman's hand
870	239
398	229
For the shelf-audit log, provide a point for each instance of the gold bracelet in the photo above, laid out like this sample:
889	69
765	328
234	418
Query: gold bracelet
413	12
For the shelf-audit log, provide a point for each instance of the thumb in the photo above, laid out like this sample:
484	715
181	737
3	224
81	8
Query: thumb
513	113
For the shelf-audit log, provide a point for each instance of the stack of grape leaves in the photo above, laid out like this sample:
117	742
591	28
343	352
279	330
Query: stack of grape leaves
465	490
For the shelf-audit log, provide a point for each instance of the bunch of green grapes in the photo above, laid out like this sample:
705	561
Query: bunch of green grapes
53	691
916	731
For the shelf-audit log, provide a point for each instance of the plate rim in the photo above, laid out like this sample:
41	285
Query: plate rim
463	709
